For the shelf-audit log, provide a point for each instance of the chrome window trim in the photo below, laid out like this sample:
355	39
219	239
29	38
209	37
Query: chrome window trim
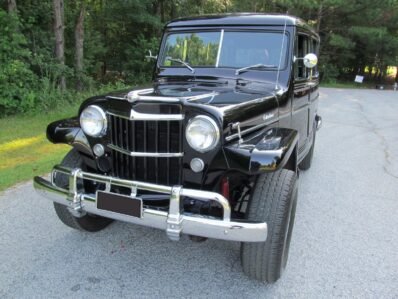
219	48
145	154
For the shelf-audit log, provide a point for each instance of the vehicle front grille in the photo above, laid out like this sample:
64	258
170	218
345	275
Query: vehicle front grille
146	136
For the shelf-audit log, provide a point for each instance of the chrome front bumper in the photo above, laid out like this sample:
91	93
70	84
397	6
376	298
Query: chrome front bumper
173	222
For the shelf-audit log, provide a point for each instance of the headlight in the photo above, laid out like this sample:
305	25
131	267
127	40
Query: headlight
93	121
202	133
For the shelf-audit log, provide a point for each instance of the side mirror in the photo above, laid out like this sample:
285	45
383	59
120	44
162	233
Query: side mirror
150	56
310	60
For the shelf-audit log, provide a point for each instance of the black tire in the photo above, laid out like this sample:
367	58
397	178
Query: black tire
273	201
307	161
88	222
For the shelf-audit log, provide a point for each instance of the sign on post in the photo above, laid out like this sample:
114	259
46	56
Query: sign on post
358	79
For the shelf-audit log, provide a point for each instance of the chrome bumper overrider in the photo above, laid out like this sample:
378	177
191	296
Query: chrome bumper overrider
173	222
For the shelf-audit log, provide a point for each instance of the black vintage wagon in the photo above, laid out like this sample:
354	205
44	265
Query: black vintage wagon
211	149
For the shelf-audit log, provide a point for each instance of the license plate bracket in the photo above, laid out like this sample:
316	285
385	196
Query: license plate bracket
119	203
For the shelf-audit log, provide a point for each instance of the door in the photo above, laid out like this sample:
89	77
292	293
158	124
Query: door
314	93
302	91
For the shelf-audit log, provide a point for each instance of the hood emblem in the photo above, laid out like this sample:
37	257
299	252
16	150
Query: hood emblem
147	94
144	94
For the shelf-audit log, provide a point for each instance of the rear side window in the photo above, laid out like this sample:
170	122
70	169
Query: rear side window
304	45
301	48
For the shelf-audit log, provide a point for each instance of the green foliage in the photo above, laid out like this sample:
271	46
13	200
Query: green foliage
341	42
330	73
16	78
358	37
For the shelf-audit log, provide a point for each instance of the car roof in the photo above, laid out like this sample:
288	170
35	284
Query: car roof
240	19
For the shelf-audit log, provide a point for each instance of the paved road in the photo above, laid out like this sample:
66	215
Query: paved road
345	241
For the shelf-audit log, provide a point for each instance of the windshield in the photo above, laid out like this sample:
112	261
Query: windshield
230	49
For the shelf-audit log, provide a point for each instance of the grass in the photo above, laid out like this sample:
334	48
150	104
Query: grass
24	149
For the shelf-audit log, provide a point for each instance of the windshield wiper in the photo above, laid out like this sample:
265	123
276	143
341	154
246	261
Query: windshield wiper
182	62
260	65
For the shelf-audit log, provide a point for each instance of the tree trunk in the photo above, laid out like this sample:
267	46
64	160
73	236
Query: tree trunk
396	75
59	37
12	6
319	17
79	42
162	14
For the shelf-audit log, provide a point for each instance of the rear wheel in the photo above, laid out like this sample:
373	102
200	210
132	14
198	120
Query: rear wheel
88	222
273	201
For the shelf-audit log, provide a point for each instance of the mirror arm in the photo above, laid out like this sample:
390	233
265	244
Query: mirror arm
297	58
150	56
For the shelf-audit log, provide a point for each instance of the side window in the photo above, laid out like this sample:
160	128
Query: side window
310	49
315	50
301	49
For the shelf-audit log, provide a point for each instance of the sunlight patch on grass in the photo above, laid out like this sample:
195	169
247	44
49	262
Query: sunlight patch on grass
30	155
12	162
24	149
29	163
20	143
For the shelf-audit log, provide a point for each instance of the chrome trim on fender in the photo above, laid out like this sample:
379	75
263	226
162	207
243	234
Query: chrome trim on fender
174	222
145	154
244	132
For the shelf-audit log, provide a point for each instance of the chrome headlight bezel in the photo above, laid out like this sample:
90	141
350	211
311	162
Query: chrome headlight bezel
101	120
212	124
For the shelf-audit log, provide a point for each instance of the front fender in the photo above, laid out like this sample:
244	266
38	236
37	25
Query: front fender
266	151
68	131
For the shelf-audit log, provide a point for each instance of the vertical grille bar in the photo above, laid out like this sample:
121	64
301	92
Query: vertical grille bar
168	150
133	147
145	150
127	145
157	151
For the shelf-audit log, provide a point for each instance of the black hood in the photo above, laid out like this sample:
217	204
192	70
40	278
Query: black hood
218	94
228	102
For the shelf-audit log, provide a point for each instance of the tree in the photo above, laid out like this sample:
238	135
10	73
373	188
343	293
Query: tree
79	42
16	78
12	6
59	38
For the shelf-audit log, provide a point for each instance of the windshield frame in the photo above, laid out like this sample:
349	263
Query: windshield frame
222	31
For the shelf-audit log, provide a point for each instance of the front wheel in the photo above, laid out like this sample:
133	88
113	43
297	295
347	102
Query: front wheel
273	201
90	223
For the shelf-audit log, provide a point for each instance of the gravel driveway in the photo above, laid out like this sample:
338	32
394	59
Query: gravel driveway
345	241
